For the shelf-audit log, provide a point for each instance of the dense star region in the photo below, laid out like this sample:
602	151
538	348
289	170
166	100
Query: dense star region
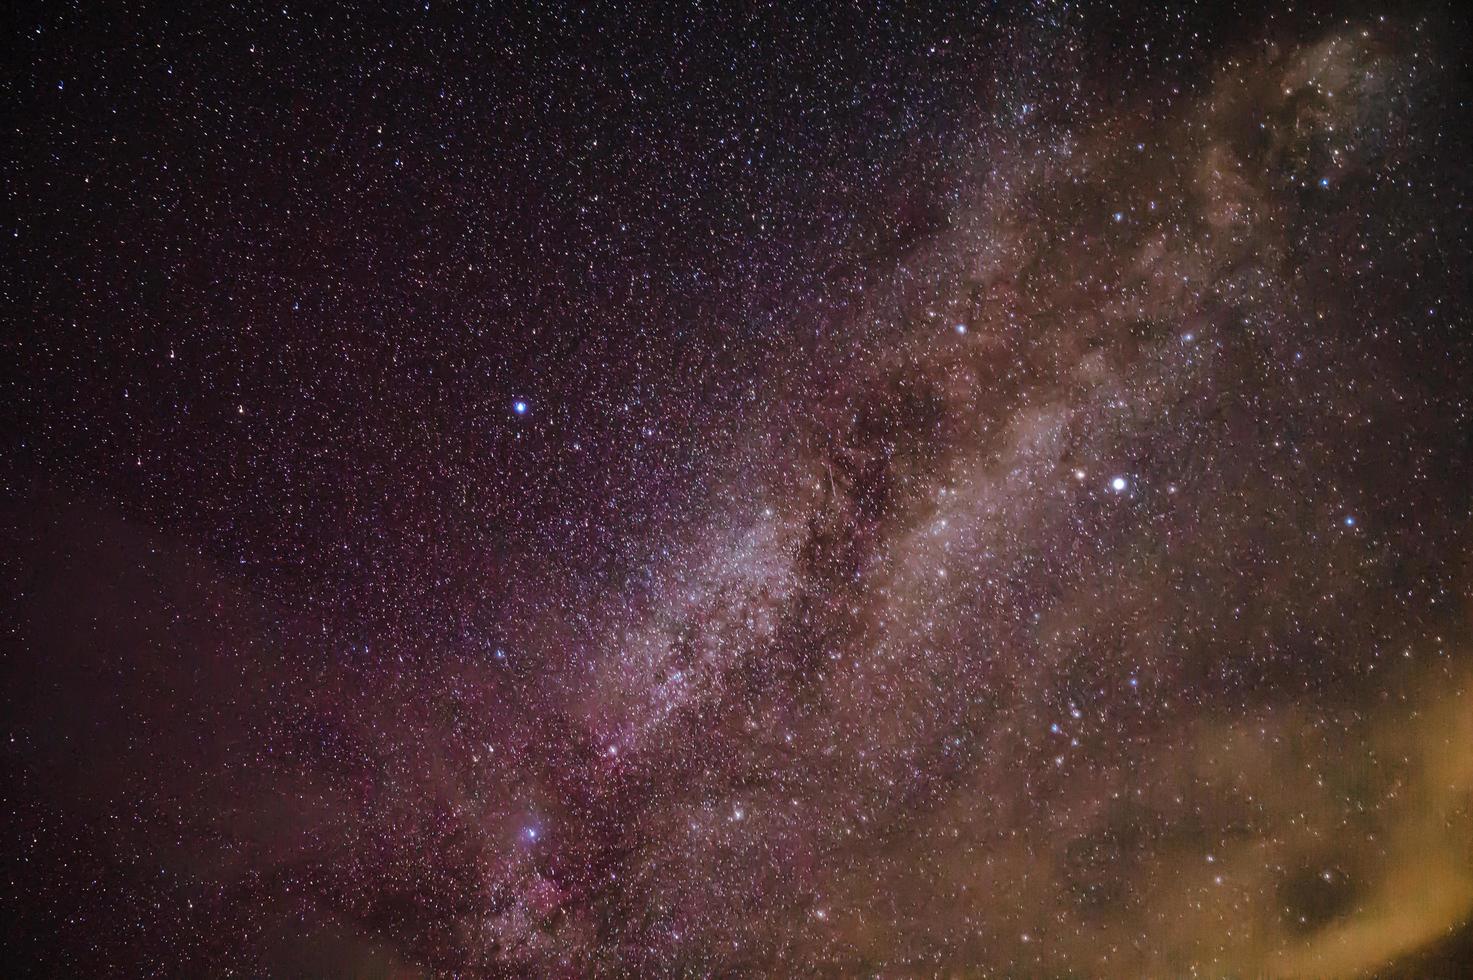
738	490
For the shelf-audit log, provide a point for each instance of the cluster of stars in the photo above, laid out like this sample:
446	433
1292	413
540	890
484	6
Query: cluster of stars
610	490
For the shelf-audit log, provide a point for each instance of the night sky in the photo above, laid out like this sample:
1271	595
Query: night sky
737	489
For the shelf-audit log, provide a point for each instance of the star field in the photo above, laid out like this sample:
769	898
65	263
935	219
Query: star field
857	490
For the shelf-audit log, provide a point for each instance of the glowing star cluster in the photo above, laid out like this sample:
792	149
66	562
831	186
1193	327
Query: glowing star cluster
621	493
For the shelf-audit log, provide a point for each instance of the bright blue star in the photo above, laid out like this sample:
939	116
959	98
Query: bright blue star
519	406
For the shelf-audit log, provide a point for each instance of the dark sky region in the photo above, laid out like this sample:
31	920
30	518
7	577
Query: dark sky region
737	490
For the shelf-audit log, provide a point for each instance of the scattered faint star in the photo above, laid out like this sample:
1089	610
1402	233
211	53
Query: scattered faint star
391	678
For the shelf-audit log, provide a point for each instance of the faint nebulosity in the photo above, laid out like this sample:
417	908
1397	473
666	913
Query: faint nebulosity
738	490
